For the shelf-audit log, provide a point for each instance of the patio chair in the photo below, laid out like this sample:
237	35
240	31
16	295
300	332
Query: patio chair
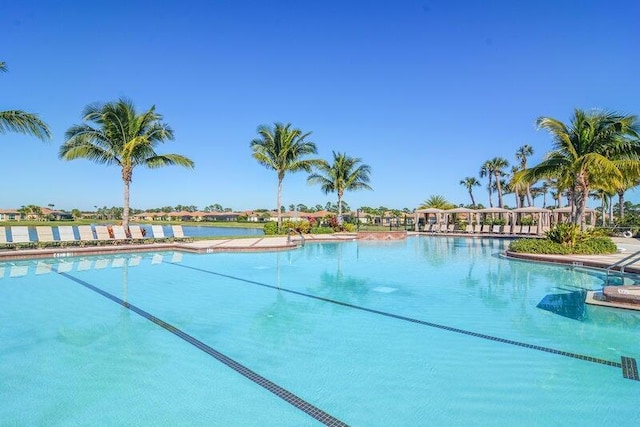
86	233
3	236
157	231
20	234
66	233
496	229
136	232
102	233
45	234
178	232
486	228
119	234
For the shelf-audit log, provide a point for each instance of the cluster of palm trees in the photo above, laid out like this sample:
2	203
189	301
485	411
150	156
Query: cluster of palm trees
597	151
285	149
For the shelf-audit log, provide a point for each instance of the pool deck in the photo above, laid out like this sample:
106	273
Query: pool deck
275	243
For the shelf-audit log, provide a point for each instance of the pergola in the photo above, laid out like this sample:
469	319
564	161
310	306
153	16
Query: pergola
564	215
500	212
471	213
541	216
420	213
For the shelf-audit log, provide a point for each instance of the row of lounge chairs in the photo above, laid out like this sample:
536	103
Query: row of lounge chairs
100	234
517	230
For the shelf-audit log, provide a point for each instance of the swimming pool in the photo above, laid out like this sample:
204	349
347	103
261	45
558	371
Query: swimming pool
431	330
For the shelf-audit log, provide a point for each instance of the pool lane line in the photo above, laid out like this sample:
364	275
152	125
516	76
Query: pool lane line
626	363
281	392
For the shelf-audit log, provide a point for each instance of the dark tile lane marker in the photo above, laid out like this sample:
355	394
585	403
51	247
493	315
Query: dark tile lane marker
282	393
425	323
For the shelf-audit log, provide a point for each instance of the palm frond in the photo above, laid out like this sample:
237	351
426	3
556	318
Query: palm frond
23	122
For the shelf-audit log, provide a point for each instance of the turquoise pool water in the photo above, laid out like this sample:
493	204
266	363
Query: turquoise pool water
427	331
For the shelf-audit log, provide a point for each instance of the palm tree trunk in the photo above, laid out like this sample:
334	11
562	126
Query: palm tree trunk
517	195
529	201
621	203
279	204
499	188
125	210
473	201
490	191
339	209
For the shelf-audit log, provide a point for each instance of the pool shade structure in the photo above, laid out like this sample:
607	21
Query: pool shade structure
427	214
564	215
541	217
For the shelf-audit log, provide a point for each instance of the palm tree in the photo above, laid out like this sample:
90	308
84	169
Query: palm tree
436	201
21	121
589	153
470	182
282	149
486	170
345	174
518	187
121	136
496	166
522	154
627	183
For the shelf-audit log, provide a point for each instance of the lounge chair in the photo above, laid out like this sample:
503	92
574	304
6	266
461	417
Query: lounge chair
486	228
20	234
119	233
525	229
157	231
66	233
45	234
3	236
102	233
178	232
136	232
86	233
496	229
451	228
517	229
468	229
477	228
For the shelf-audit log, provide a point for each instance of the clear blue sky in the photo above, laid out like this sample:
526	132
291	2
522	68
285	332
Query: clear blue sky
423	91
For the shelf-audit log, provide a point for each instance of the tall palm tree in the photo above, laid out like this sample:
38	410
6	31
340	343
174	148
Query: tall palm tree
486	170
627	183
345	174
283	149
589	153
470	182
115	134
496	166
518	187
21	121
522	154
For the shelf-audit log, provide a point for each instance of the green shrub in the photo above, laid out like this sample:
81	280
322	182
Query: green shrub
595	246
599	245
564	234
270	228
538	246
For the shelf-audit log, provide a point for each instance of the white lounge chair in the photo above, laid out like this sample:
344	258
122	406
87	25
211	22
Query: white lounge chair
102	233
178	232
45	234
157	231
66	233
136	232
20	234
3	236
86	233
119	233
